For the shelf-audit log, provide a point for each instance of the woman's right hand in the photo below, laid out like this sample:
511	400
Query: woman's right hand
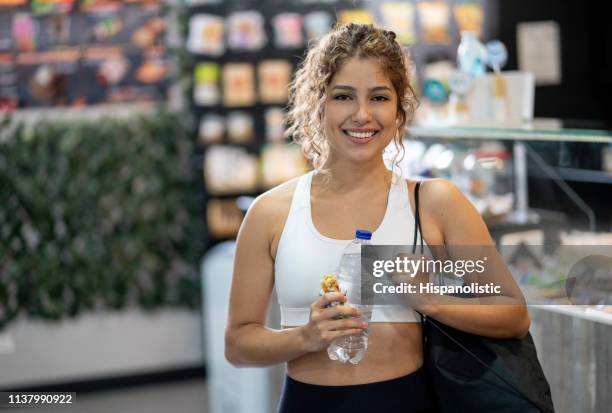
325	324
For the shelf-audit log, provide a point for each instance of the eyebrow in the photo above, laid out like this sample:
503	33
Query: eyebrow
372	89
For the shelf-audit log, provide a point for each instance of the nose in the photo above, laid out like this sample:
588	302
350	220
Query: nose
362	114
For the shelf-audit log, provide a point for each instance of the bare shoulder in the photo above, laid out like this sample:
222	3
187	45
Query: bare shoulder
253	278
436	198
453	213
440	194
274	202
268	213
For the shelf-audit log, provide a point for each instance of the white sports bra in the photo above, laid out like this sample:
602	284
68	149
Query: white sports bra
304	255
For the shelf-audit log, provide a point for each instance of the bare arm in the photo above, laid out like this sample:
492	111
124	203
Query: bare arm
462	225
248	342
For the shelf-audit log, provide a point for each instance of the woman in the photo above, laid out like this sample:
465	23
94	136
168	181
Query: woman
350	98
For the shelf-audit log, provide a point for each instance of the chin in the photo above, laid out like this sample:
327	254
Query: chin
364	157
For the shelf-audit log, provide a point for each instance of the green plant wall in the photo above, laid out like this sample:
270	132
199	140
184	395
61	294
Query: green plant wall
96	215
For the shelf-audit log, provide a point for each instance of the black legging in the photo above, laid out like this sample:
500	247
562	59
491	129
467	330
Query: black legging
407	394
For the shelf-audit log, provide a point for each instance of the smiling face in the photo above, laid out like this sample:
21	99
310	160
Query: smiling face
360	112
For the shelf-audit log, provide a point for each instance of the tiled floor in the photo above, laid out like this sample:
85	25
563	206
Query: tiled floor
176	397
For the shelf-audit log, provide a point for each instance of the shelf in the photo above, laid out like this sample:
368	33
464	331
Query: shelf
73	114
584	175
584	312
536	132
515	134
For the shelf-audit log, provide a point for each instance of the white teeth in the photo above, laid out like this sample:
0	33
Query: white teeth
360	135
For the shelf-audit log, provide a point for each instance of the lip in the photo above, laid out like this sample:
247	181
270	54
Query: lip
360	130
360	140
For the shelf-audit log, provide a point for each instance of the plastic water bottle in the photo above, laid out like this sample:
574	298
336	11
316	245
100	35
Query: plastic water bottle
352	348
471	54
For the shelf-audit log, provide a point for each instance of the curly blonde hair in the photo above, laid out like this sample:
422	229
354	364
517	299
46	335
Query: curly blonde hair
309	87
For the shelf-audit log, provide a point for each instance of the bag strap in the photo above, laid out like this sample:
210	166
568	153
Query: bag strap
419	233
417	219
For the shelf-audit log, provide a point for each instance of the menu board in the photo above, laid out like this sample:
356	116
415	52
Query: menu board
81	52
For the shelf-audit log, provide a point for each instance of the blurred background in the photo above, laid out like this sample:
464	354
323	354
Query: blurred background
135	134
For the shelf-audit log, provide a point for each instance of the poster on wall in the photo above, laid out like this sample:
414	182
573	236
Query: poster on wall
25	32
82	52
57	30
49	78
127	24
41	7
539	51
152	68
6	35
110	75
145	25
8	3
104	26
9	97
99	5
102	69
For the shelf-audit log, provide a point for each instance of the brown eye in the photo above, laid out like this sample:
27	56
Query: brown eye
342	97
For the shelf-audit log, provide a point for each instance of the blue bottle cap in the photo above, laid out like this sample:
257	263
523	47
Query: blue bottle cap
363	234
434	91
497	55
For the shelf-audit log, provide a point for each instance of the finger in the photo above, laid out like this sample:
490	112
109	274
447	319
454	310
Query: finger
333	335
337	311
336	325
328	330
345	310
329	298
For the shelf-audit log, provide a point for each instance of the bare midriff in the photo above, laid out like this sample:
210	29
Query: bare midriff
394	350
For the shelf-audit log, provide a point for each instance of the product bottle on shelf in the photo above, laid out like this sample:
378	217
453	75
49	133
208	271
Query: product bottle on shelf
471	54
497	55
352	348
460	84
